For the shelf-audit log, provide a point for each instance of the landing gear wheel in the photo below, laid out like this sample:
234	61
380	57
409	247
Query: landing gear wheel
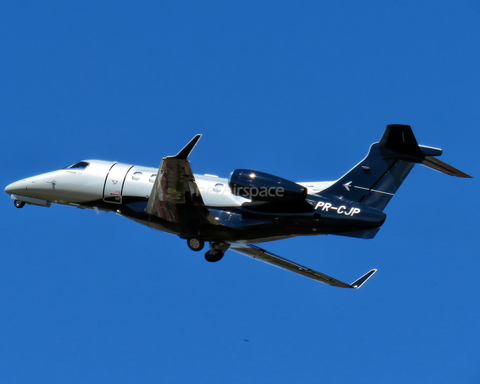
213	256
19	204
195	243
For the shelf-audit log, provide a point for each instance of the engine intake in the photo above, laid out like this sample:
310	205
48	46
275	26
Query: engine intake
261	186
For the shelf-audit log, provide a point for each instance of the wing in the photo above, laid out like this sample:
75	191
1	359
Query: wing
270	258
175	196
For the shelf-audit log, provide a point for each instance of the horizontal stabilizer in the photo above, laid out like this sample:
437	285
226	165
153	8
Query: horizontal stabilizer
270	258
440	166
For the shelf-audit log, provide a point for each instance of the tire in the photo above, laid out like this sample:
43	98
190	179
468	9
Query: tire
213	257
19	203
195	243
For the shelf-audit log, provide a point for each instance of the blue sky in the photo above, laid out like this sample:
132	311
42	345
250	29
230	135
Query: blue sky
296	89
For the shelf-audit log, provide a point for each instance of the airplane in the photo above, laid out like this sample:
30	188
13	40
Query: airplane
249	207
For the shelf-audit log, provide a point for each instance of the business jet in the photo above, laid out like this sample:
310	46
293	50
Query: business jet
248	208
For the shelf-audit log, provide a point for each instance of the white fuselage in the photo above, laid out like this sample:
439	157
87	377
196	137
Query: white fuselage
110	182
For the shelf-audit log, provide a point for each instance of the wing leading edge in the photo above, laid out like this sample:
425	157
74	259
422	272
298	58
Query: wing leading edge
270	258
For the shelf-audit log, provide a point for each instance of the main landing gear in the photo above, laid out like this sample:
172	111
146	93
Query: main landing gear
214	256
216	252
195	243
19	204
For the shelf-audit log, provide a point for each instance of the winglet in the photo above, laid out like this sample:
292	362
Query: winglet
358	283
183	154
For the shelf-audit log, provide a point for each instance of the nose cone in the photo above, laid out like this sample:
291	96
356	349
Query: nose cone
18	187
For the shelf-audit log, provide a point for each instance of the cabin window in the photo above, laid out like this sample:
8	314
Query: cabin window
80	165
152	178
137	176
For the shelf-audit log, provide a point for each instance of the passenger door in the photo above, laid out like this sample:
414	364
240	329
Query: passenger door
112	191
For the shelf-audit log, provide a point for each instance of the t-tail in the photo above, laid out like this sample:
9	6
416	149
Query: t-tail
374	181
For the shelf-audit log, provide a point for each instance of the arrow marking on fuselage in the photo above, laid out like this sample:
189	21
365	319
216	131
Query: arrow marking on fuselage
347	186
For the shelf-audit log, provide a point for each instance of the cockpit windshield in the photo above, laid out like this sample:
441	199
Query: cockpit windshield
80	165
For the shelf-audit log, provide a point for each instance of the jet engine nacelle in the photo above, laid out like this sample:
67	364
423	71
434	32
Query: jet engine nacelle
260	186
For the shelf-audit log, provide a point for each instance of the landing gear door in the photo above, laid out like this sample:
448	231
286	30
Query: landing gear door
112	191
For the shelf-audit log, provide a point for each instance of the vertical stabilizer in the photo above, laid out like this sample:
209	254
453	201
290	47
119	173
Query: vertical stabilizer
374	181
